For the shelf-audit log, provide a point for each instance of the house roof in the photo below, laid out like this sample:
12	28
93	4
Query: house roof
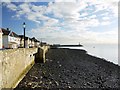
8	32
5	32
13	34
22	36
35	39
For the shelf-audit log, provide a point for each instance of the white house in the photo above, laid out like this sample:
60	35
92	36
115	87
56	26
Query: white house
27	41
1	38
10	39
36	42
32	42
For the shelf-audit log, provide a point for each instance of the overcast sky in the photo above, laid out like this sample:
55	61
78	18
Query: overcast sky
65	22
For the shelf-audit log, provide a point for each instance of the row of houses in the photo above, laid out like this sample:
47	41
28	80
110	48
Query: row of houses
9	39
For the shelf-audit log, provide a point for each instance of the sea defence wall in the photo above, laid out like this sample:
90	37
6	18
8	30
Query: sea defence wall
15	63
40	55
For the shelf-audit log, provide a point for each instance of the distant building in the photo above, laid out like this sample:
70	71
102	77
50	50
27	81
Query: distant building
27	41
32	42
10	39
35	42
43	43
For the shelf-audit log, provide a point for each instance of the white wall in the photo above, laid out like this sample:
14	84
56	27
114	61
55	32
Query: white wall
14	41
18	41
33	43
27	43
5	41
21	43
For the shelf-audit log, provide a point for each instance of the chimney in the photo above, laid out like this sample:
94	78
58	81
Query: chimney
8	29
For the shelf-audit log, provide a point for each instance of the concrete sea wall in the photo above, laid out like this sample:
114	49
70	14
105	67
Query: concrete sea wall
14	63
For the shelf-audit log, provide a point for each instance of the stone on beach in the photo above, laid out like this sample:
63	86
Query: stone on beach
67	68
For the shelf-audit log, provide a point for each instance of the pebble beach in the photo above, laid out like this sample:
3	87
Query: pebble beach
70	68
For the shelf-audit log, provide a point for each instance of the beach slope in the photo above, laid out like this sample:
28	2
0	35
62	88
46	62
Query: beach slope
68	68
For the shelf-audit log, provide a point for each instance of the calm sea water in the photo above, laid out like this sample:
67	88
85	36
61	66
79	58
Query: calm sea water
106	51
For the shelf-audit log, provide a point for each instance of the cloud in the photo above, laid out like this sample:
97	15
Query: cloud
63	20
10	6
27	0
25	7
54	35
106	22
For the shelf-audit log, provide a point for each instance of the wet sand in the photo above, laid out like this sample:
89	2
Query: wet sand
67	68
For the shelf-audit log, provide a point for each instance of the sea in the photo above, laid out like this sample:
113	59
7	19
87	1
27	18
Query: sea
107	51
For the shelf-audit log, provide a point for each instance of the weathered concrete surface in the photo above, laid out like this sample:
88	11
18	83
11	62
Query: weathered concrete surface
40	55
14	63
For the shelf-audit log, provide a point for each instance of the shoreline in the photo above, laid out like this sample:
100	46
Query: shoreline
106	51
67	68
105	57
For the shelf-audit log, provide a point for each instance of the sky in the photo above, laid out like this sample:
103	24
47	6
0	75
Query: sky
63	21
